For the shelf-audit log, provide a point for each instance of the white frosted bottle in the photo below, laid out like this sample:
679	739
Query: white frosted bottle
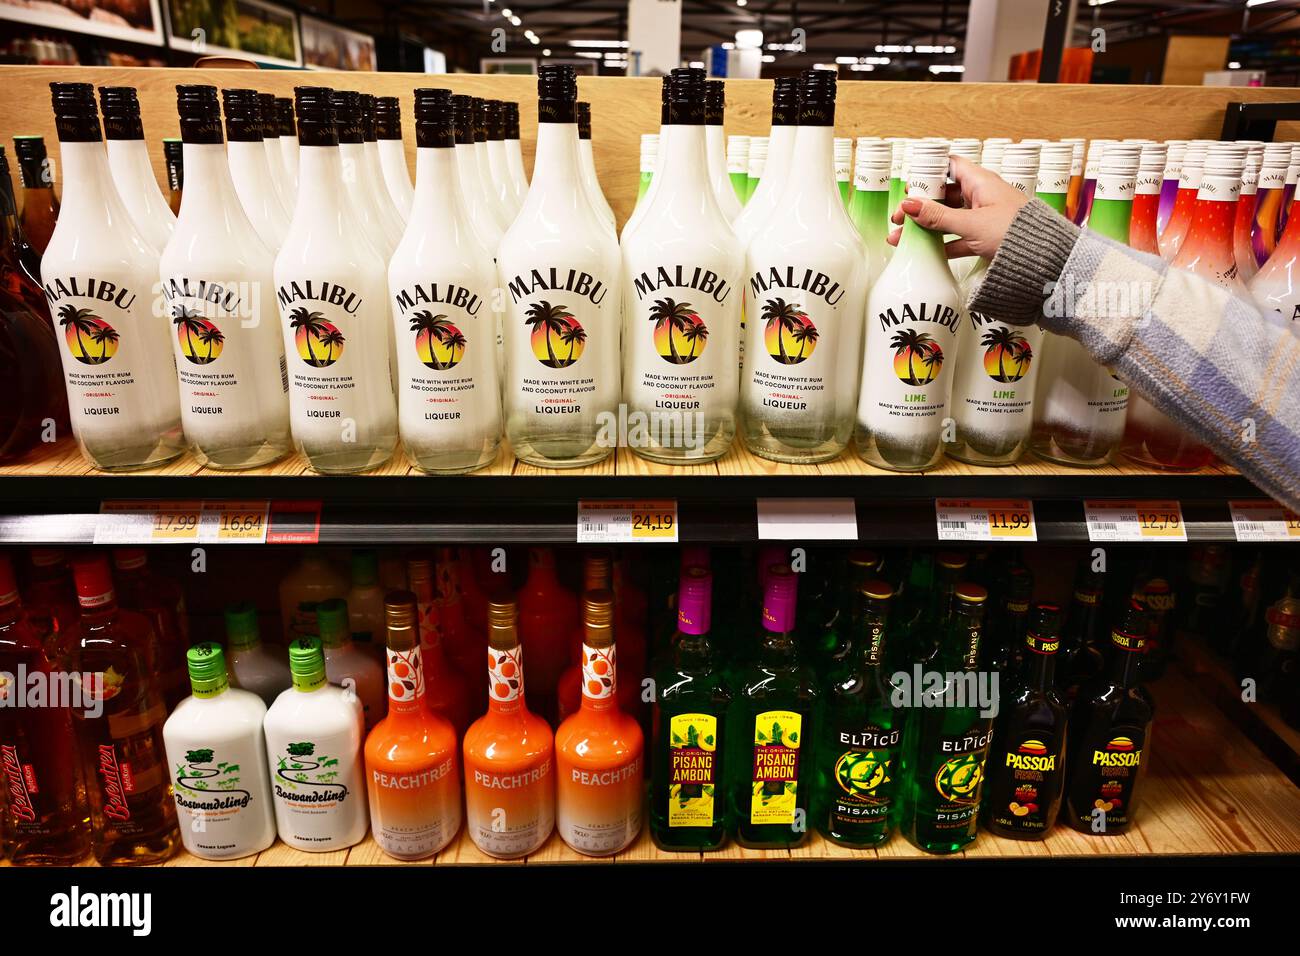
268	116
587	167
650	170
910	347
217	289
216	755
99	274
250	171
515	154
805	276
681	277
440	281
478	204
359	179
394	221
392	153
288	141
254	666
715	104
971	150
768	194
559	265
491	197
128	158
498	163
347	665
314	735
332	291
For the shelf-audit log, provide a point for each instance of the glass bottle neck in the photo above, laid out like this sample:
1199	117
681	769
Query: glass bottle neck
555	165
436	192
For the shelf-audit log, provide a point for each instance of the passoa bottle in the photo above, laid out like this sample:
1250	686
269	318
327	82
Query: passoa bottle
331	287
1026	762
347	665
681	277
913	314
216	754
253	666
509	753
250	171
599	750
117	358
128	158
40	205
132	815
1081	658
441	280
392	153
412	769
46	813
314	736
688	799
715	105
560	267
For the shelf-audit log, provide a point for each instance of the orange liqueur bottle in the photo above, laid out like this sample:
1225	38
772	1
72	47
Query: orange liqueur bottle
599	749
509	776
411	772
445	686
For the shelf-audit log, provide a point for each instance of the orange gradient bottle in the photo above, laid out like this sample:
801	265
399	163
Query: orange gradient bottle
548	614
597	575
463	647
444	686
599	750
412	776
509	773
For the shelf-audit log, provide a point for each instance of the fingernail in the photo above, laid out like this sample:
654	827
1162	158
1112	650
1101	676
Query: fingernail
911	206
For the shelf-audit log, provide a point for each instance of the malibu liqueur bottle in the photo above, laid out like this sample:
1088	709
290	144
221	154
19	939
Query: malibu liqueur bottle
1109	728
1026	765
687	809
948	741
768	723
857	759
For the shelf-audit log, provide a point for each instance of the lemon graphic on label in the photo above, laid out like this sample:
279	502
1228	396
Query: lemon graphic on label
958	780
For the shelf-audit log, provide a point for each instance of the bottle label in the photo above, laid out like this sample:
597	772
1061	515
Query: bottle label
415	812
1025	785
1219	188
211	803
510	814
1148	183
116	783
1120	188
864	776
505	673
1283	624
405	676
1106	777
993	392
598	672
692	769
959	778
306	781
20	783
778	737
599	810
873	179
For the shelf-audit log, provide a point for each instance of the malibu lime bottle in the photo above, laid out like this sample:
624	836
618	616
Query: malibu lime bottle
768	724
947	742
1110	728
687	809
1026	764
857	759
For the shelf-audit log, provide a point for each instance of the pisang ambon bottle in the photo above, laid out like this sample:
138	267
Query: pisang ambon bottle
40	205
40	773
412	770
559	265
216	288
331	287
599	750
509	766
117	358
914	312
132	814
249	169
441	279
128	159
805	275
681	272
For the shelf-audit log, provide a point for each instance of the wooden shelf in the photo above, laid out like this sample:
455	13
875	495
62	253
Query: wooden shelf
1209	792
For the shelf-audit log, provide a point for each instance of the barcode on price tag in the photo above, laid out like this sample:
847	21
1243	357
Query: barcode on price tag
1134	521
626	522
179	522
985	519
1263	520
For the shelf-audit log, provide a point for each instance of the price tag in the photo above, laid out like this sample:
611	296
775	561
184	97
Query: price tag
985	519
626	522
1264	520
807	519
1134	521
235	522
148	522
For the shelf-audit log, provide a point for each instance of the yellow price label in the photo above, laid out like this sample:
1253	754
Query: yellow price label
241	522
985	519
655	524
1135	520
176	521
1161	520
623	522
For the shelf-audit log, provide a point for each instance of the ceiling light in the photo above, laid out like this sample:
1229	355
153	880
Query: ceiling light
768	58
516	21
590	54
546	52
826	66
614	44
534	39
862	68
938	68
742	3
506	13
1234	65
749	39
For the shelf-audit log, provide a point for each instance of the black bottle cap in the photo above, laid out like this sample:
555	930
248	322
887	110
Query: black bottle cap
121	108
715	102
665	94
267	116
785	101
583	112
686	97
388	118
368	117
347	116
315	116
511	120
33	166
817	98
479	108
243	116
174	157
76	117
284	116
434	118
496	119
462	118
557	92
200	113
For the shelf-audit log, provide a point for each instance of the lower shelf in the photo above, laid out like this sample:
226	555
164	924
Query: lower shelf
1208	792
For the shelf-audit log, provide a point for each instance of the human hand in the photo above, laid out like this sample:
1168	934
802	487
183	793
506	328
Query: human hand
990	204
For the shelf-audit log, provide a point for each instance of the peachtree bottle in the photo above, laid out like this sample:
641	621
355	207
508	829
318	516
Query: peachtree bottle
913	313
331	287
216	752
948	741
217	286
1026	763
560	267
99	271
806	272
688	806
1110	731
858	766
128	158
681	273
249	169
441	279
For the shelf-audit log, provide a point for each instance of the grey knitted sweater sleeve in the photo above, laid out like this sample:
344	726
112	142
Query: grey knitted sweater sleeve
1205	357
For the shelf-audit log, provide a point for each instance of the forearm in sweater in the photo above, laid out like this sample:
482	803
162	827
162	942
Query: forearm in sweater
1198	353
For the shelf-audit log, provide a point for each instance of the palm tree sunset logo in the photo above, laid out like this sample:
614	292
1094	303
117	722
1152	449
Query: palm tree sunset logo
90	339
790	336
917	357
679	333
557	338
438	343
319	342
1007	355
200	340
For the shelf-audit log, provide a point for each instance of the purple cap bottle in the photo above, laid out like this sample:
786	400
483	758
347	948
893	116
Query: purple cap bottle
695	601
779	596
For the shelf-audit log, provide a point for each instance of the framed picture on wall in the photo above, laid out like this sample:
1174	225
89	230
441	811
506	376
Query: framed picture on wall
138	21
508	65
248	28
326	46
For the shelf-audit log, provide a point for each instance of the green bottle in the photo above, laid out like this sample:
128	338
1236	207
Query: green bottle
946	743
687	805
869	207
932	607
897	160
857	758
768	725
829	642
1054	164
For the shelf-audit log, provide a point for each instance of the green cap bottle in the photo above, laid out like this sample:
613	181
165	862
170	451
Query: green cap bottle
207	666
307	663
241	626
365	568
332	622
